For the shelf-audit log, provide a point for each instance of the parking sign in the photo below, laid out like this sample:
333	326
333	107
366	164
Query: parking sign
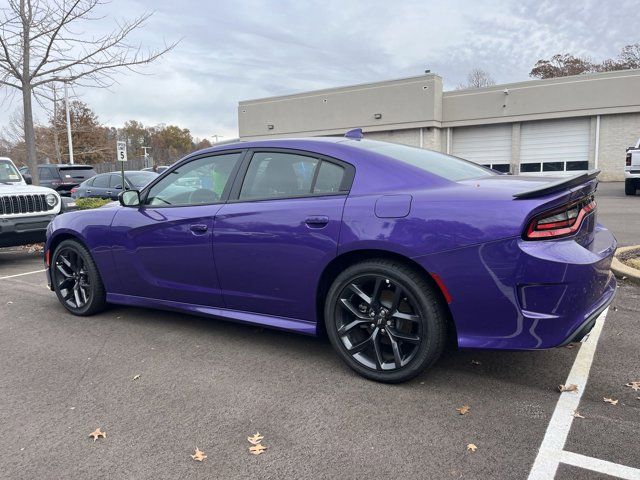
122	151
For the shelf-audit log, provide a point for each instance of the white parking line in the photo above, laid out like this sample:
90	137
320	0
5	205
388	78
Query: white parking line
551	452
601	466
21	274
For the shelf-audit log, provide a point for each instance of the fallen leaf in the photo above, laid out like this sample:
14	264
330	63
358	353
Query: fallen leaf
97	434
463	410
476	362
198	455
472	447
635	385
615	309
576	414
255	439
257	449
135	377
9	303
568	388
570	346
610	400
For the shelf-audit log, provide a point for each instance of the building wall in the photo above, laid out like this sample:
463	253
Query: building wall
617	132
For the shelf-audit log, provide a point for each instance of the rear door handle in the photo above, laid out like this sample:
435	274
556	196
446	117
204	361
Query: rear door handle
317	221
199	228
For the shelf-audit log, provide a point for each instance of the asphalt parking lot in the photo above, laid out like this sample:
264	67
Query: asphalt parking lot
210	384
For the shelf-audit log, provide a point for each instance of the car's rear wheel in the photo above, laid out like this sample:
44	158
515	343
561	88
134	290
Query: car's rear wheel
385	320
630	186
76	280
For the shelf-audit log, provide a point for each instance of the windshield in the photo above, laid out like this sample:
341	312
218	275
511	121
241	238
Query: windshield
446	166
140	179
9	173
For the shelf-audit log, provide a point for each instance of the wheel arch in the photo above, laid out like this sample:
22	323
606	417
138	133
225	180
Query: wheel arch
339	263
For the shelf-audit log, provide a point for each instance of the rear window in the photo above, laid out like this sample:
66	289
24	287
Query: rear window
445	166
76	173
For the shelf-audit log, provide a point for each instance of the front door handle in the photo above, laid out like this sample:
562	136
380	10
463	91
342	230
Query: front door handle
199	228
317	221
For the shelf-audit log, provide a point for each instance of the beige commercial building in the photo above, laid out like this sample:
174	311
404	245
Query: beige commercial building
561	125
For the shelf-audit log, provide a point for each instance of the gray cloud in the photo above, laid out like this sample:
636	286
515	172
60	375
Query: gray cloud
238	50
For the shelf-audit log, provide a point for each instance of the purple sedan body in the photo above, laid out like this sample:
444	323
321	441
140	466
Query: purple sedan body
270	262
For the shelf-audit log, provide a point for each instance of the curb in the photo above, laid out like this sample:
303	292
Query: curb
621	270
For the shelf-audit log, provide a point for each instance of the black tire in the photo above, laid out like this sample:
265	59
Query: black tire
406	341
79	288
630	186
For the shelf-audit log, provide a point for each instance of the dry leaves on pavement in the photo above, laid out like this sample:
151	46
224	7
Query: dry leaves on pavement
568	388
198	455
257	449
476	362
97	433
610	400
136	377
472	447
576	414
635	385
463	410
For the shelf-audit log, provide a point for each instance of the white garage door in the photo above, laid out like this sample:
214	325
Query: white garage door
556	146
489	145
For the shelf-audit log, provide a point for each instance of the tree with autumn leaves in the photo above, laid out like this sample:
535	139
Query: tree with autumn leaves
94	142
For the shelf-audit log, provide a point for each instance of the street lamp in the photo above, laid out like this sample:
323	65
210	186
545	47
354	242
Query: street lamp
66	106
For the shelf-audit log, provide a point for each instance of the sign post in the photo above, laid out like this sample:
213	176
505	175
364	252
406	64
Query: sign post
121	155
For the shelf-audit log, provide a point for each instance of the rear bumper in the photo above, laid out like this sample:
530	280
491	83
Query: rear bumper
23	230
522	295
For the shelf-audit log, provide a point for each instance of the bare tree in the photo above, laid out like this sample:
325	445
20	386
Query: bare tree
41	43
477	78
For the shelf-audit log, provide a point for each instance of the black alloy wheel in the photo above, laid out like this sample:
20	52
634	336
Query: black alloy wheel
76	280
385	320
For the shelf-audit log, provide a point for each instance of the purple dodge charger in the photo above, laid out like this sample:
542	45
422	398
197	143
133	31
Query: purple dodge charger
393	251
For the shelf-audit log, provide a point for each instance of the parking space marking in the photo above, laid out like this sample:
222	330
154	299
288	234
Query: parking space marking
601	466
21	274
546	463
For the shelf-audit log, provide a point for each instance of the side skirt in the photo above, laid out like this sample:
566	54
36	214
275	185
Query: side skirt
282	323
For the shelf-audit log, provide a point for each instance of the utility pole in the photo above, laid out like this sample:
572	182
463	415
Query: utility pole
66	104
146	155
216	136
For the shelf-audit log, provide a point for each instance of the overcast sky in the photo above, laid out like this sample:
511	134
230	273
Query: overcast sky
240	50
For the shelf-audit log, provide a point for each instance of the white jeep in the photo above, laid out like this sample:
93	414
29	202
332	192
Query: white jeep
25	210
632	170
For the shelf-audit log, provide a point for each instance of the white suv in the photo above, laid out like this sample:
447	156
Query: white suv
632	170
25	210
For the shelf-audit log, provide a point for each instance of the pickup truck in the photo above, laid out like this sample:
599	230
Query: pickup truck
632	170
25	210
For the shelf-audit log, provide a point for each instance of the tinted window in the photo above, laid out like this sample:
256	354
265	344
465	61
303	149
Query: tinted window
45	174
446	166
197	182
278	175
553	166
77	173
101	181
572	166
329	178
501	167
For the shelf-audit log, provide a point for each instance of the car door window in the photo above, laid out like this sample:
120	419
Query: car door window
329	178
45	174
278	175
101	181
198	182
115	181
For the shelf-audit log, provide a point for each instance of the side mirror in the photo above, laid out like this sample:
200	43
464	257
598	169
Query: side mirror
129	198
118	187
27	179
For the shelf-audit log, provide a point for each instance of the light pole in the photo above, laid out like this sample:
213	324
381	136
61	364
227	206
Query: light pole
66	105
216	136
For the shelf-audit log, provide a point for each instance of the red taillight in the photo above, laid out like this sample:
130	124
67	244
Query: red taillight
628	162
74	190
47	258
561	222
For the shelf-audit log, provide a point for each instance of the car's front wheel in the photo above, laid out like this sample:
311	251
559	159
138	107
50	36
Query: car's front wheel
385	320
76	280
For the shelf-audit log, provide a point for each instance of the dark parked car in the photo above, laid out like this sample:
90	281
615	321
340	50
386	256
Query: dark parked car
159	169
390	250
60	177
109	185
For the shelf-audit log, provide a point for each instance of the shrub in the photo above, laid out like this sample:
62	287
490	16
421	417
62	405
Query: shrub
88	203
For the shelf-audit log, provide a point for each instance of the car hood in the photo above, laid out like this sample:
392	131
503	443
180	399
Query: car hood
19	189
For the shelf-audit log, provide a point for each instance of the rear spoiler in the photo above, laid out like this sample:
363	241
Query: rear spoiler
558	185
